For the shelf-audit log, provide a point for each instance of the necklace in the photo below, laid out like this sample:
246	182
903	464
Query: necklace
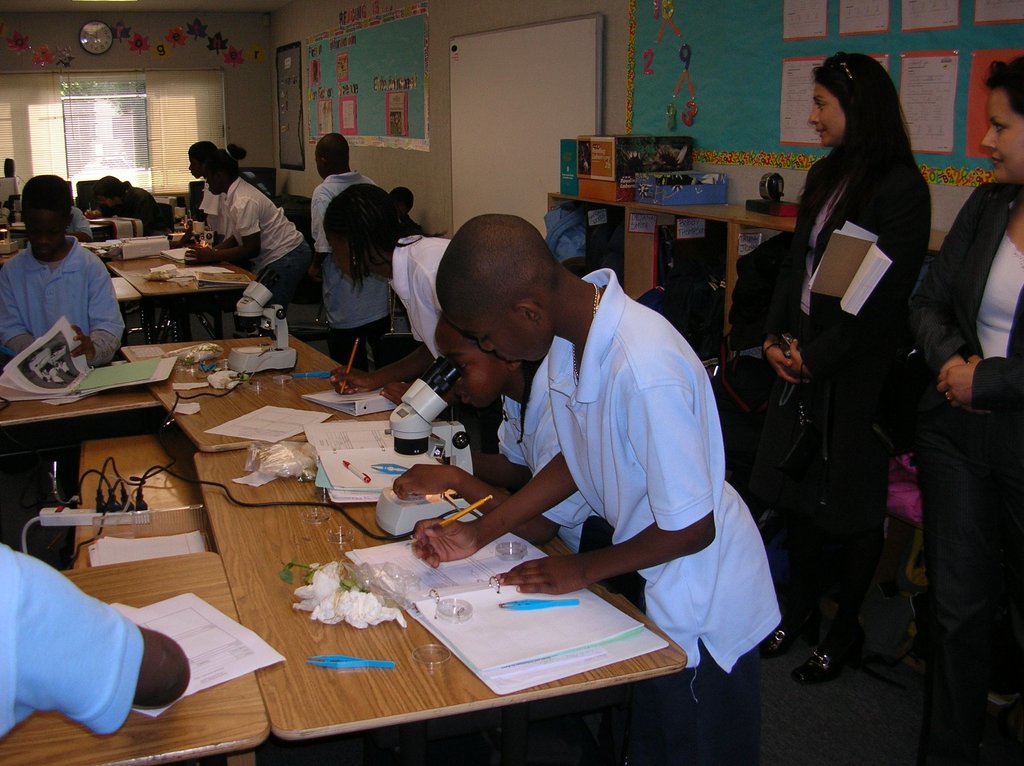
575	361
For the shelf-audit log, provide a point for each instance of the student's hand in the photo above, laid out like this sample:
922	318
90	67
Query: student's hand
433	543
164	673
423	480
395	391
315	271
553	574
787	364
202	255
84	346
90	213
355	381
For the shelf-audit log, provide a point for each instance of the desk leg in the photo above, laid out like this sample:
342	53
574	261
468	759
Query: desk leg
732	255
515	734
147	318
412	744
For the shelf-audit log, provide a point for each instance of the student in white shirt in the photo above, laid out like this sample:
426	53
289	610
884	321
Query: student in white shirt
368	238
636	421
255	229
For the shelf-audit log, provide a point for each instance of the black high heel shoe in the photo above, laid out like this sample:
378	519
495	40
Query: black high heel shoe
826	666
780	640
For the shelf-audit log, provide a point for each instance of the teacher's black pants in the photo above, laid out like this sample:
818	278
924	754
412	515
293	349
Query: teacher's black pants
971	472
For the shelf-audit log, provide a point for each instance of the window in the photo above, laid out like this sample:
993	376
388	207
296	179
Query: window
133	125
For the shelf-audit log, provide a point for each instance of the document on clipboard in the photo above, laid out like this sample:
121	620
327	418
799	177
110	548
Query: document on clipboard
851	267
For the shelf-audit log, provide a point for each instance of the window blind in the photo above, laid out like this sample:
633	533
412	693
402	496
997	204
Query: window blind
32	124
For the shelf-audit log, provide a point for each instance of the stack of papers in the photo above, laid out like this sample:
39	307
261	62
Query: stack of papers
370	453
510	650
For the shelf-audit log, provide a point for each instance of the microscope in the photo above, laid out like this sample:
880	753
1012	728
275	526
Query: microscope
415	432
255	312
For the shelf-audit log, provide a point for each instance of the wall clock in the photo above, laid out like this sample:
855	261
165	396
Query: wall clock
95	37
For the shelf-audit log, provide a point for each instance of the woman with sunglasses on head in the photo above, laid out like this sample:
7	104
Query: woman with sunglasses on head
966	318
832	365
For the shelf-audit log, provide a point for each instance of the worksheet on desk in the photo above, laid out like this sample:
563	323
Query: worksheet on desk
269	424
217	647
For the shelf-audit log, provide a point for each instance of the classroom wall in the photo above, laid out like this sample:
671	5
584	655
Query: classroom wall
248	89
429	173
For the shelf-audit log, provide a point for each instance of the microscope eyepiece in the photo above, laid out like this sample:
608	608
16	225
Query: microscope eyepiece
441	376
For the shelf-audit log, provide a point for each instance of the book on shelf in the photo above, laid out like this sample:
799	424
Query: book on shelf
850	268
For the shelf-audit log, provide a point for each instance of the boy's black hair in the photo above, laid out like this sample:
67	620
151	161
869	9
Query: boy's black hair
110	187
201	151
225	161
47	193
403	195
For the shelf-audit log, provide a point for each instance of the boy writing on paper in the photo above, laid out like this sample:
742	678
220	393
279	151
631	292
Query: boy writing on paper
636	421
526	436
54	277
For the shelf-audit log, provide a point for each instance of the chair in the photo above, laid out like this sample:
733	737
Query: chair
83	194
307	294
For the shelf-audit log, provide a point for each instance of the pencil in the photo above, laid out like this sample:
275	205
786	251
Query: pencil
348	367
464	511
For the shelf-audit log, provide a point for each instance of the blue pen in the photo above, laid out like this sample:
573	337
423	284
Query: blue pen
531	604
318	374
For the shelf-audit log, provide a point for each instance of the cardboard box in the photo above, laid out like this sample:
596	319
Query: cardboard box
605	191
687	188
570	183
620	158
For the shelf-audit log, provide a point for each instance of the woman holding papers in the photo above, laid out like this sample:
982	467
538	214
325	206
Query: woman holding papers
966	317
830	475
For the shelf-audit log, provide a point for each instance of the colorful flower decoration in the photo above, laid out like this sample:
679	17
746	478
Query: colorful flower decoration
234	56
138	43
121	31
216	43
42	56
197	29
176	37
17	42
64	57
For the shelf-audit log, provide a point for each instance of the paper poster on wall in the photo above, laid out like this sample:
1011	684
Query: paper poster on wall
977	96
919	15
796	100
928	93
863	17
998	11
804	19
373	66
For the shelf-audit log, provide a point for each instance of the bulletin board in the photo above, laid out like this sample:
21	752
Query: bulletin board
289	107
514	93
719	66
367	79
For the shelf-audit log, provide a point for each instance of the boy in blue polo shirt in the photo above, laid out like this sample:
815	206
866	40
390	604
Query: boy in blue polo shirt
640	439
54	277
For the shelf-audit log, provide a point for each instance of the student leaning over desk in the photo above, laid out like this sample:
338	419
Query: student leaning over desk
119	198
54	277
639	435
255	229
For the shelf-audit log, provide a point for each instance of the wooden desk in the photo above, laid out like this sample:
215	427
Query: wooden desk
227	718
103	403
243	399
133	456
179	298
304	701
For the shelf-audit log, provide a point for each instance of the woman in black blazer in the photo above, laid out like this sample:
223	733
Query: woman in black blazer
970	440
836	363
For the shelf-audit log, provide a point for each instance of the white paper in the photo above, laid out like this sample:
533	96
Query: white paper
342	435
796	101
217	647
857	17
869	274
988	11
117	550
186	408
269	424
177	254
928	95
188	386
930	14
255	479
364	403
802	19
47	367
363	462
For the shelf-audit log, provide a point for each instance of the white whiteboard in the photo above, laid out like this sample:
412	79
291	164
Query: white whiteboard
514	93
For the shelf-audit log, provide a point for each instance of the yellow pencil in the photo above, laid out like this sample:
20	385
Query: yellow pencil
348	367
464	511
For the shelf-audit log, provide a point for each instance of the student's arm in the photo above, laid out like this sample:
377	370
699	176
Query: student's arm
550	486
406	369
229	250
423	480
653	546
499	470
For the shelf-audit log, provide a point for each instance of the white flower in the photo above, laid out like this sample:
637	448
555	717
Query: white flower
331	603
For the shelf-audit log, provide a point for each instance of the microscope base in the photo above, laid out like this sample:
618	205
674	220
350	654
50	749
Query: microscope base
252	359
